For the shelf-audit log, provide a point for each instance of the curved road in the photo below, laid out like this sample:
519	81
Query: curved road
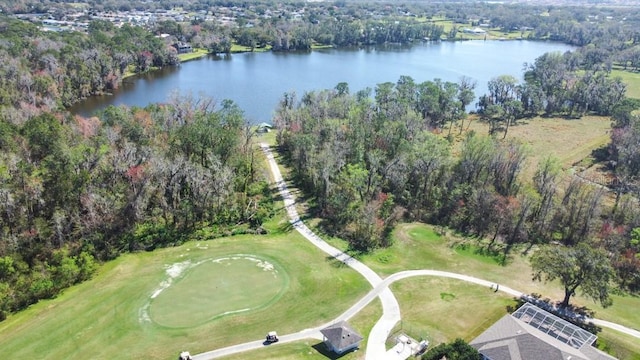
390	309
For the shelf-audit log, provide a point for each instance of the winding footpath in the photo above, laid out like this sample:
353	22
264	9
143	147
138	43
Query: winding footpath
376	348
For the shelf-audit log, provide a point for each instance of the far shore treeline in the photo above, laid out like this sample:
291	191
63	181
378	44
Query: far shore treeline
78	191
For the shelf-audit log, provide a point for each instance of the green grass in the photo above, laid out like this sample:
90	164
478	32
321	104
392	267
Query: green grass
569	140
313	349
196	54
235	48
619	345
631	79
444	313
102	318
195	297
420	246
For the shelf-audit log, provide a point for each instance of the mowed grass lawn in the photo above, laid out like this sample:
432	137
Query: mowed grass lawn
312	349
106	317
631	79
419	246
441	309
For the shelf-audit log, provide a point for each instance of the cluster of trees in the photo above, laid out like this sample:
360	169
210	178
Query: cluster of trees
284	36
76	191
372	160
554	84
44	71
612	33
455	350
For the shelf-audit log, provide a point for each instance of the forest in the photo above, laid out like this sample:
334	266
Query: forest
372	159
77	191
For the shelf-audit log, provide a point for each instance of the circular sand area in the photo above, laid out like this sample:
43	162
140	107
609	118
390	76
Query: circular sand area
195	293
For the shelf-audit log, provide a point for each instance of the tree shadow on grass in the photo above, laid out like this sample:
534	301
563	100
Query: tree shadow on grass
322	349
494	252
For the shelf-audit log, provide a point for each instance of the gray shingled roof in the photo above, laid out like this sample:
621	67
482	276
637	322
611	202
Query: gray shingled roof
512	339
341	335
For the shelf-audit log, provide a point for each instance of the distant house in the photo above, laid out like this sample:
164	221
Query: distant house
534	334
473	31
340	337
182	47
264	128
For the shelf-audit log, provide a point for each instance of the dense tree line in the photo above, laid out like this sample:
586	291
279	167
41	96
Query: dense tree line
76	190
49	70
373	160
555	84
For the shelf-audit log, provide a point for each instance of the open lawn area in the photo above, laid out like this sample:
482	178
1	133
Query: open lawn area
313	349
420	246
569	140
441	310
631	79
235	48
619	345
196	54
140	305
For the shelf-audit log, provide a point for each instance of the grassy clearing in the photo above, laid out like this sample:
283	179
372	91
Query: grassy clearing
631	79
101	318
196	54
235	48
442	314
619	345
569	140
183	305
420	246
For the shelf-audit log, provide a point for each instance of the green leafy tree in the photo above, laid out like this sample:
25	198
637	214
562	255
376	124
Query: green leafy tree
456	350
576	267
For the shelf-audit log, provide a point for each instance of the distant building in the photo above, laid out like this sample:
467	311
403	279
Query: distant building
182	47
533	334
264	127
473	31
340	337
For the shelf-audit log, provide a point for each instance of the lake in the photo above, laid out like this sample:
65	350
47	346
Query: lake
256	81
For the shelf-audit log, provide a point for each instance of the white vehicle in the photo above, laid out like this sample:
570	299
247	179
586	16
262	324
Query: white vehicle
185	356
272	337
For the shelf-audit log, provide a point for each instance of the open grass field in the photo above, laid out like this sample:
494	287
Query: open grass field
208	297
491	33
569	140
631	79
433	308
420	246
235	48
441	310
105	317
314	349
619	345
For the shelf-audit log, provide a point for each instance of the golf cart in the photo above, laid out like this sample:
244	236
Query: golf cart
184	356
272	337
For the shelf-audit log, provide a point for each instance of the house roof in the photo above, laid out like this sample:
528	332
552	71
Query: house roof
513	339
341	335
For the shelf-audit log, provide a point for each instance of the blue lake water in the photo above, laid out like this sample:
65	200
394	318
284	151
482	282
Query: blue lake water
257	81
